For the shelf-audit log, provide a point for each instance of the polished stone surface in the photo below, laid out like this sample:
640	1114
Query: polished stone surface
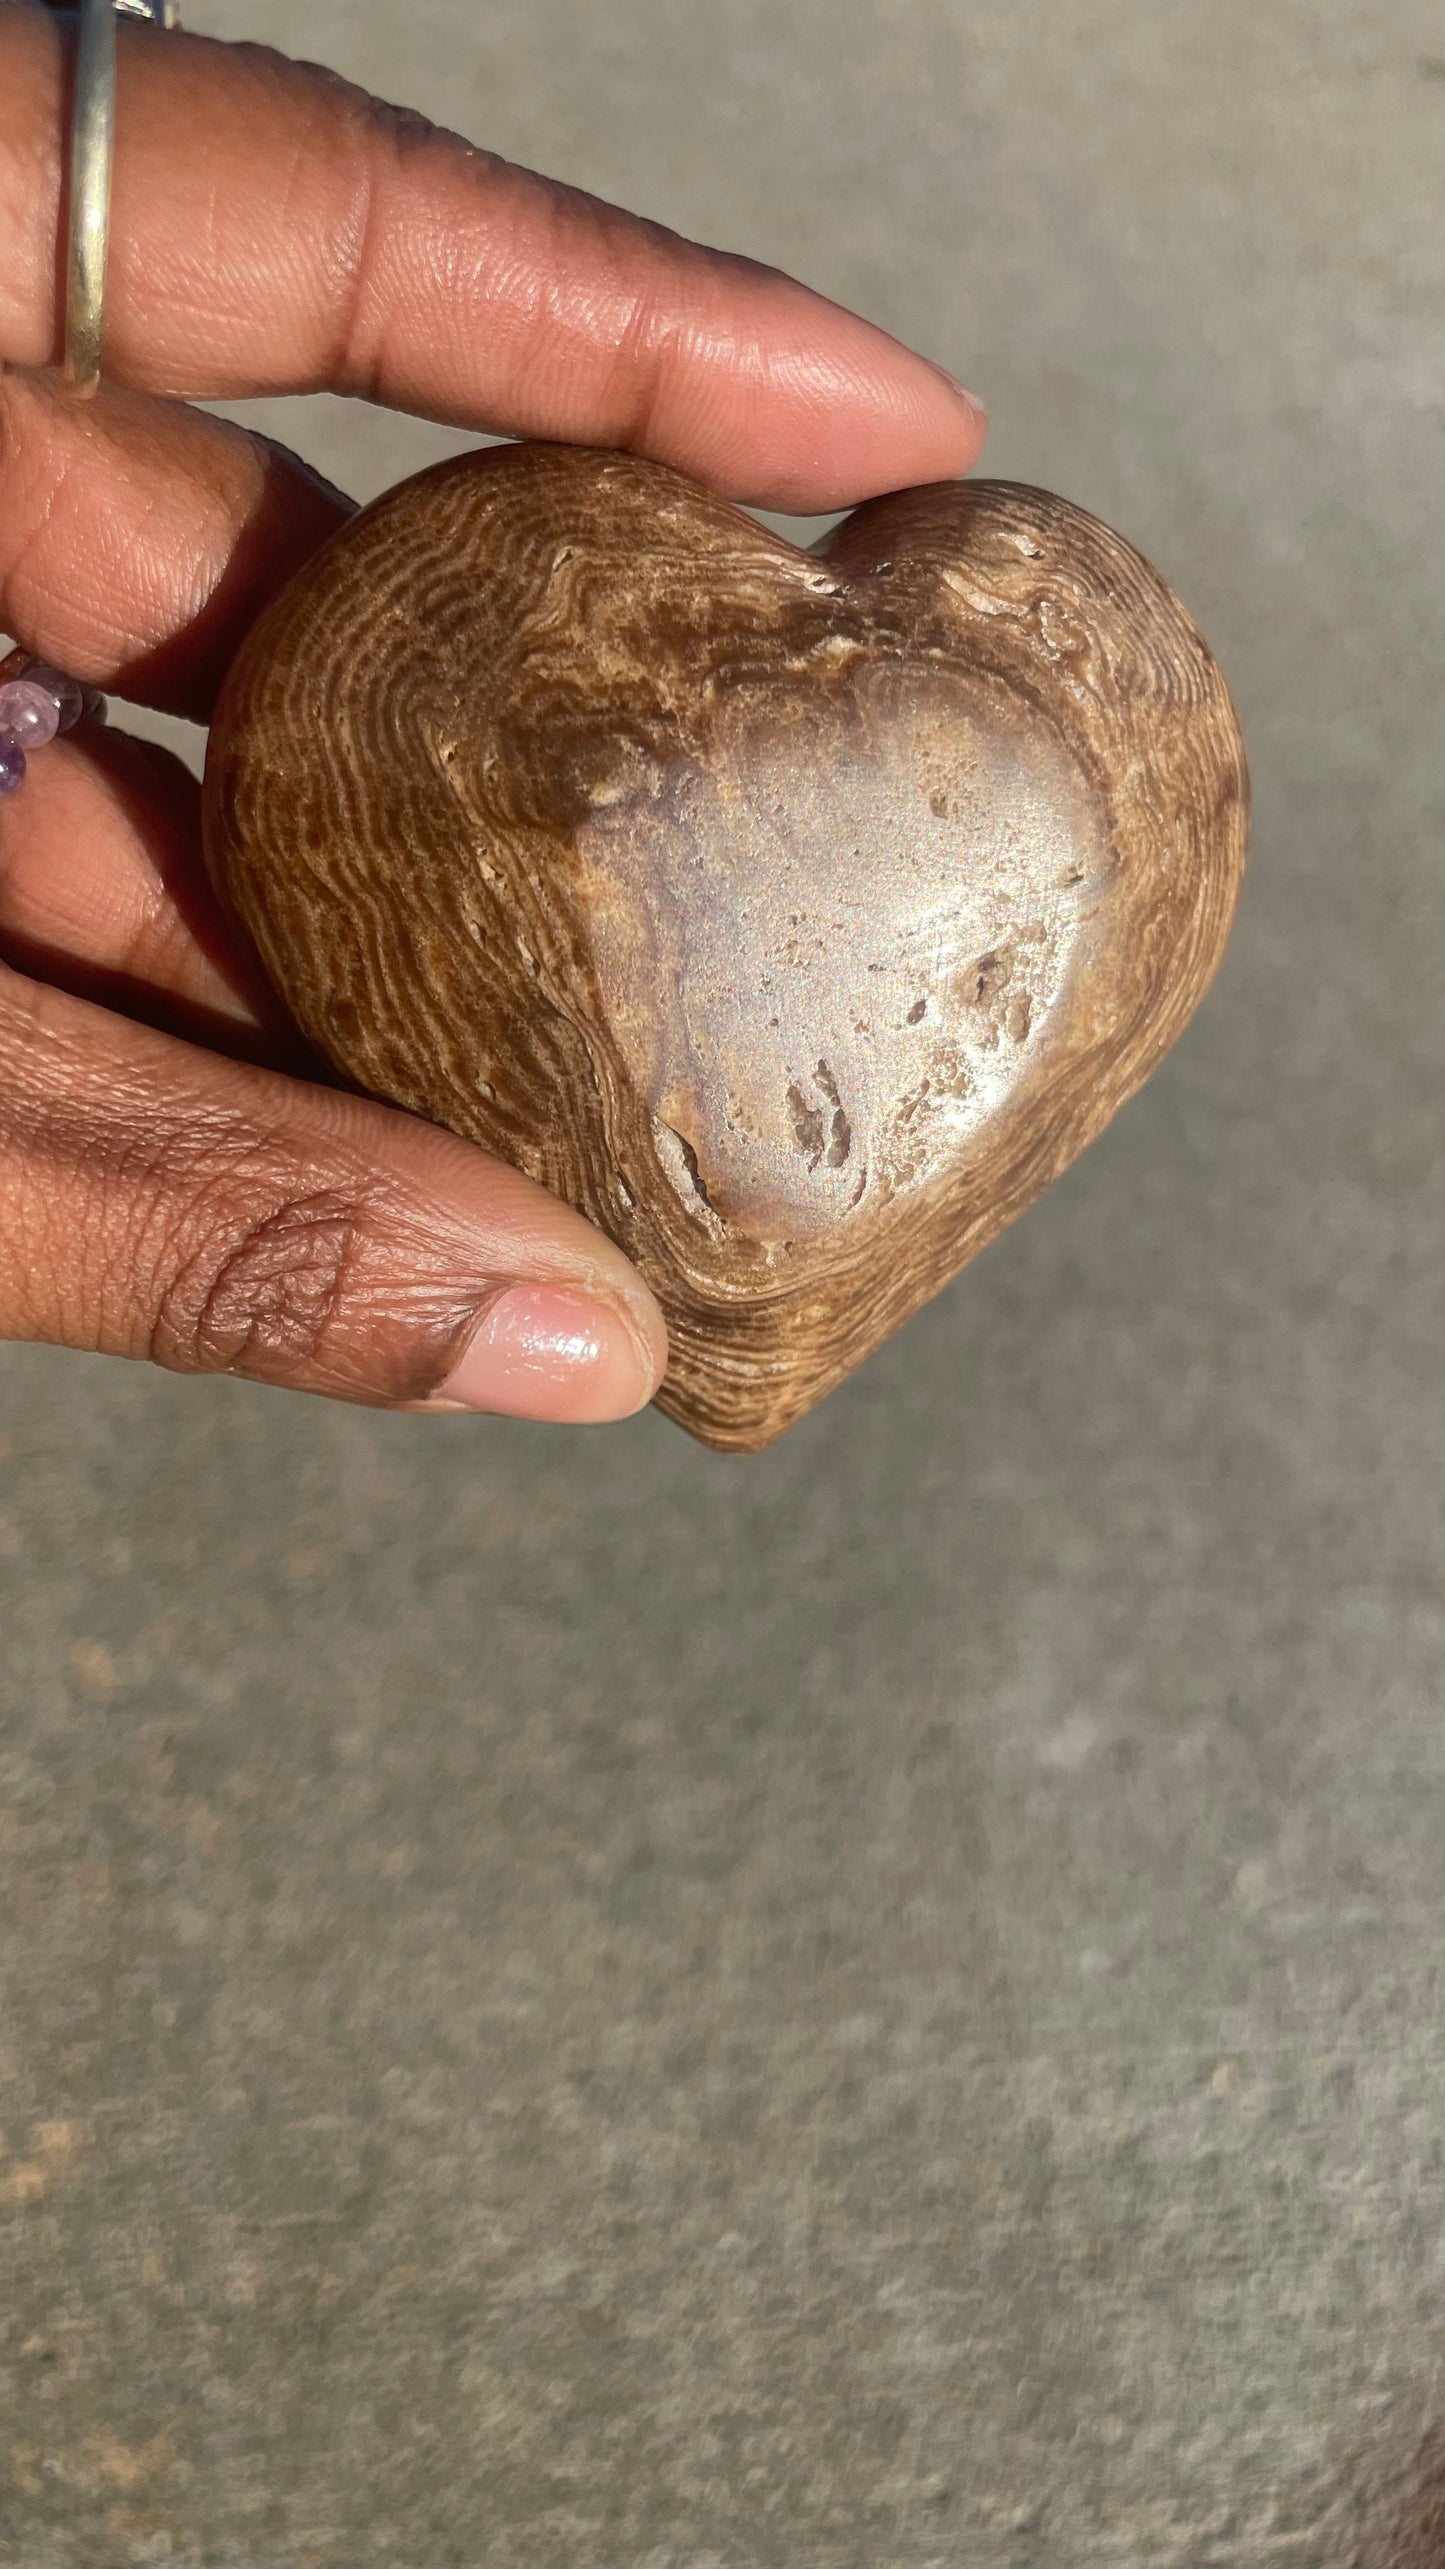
976	753
570	2000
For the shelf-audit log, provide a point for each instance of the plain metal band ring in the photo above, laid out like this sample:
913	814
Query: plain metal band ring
92	151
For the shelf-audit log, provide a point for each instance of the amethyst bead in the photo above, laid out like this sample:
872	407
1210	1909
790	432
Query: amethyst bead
29	714
67	692
12	767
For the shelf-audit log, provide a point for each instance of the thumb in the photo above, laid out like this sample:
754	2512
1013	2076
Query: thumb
159	1201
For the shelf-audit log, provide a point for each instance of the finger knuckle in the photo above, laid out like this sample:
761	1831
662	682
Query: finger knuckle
260	1292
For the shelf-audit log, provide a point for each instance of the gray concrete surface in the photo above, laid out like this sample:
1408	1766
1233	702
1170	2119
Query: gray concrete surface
567	2001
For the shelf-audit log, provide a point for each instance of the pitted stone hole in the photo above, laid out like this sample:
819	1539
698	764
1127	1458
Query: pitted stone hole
993	972
679	1159
689	1161
807	1124
821	1135
840	1140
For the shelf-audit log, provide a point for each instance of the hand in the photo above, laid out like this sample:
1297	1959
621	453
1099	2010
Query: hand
170	1187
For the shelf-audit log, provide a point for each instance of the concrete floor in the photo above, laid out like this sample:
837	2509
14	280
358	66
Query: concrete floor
567	2001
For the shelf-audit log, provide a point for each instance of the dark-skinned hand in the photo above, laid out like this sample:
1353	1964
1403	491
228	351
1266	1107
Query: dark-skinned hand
173	1183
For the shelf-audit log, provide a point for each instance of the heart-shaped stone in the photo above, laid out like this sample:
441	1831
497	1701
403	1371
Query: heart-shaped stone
798	916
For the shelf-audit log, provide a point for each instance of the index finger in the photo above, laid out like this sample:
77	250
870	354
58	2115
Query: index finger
275	230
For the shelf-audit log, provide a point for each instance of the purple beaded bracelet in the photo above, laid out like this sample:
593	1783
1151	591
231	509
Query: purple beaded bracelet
36	702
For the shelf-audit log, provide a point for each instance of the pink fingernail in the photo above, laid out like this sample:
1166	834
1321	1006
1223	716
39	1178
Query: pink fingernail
542	1352
972	399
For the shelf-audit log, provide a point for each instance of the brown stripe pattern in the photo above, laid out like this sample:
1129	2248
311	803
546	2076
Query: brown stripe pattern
797	916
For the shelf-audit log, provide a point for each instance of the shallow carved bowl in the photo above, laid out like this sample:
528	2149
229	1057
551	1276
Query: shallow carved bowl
796	915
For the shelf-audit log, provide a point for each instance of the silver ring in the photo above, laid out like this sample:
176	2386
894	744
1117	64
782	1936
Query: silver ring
92	151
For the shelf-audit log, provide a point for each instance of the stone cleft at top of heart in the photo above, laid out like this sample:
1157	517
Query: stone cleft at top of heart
798	916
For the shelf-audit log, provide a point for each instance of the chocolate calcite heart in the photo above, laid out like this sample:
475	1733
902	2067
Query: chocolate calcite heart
796	915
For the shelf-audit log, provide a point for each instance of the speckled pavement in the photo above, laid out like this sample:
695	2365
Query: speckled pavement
569	2003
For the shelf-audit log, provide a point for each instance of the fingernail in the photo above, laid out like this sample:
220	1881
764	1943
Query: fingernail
978	407
542	1352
